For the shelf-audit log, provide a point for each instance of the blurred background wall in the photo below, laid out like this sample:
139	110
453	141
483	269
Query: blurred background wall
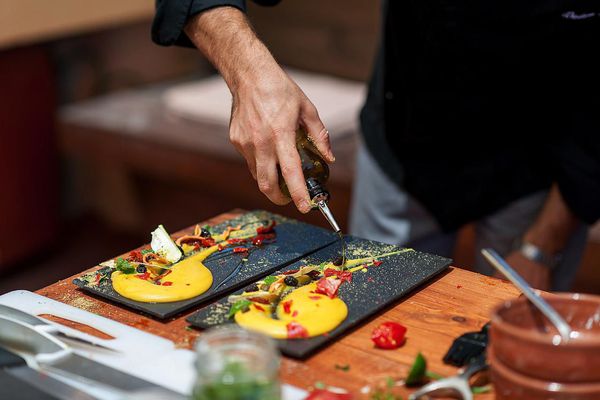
90	160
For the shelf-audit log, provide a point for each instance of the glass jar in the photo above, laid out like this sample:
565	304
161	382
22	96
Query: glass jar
235	364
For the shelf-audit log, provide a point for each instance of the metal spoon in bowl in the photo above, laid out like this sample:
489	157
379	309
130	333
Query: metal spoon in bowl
501	265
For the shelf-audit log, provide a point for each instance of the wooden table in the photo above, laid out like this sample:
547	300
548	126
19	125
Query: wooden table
458	301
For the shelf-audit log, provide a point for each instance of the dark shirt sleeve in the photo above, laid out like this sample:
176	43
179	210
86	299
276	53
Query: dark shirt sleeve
578	156
172	15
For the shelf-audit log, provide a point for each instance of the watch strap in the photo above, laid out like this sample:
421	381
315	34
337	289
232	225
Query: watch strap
534	253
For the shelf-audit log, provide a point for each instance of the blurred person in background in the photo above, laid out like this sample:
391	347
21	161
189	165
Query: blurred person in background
483	112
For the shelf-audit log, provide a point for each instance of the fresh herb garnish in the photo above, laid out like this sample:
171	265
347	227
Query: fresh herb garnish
124	266
343	367
270	279
433	375
386	394
239	305
416	376
146	251
319	385
481	389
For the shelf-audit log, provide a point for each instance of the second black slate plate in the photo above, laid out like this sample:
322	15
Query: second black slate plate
293	240
368	293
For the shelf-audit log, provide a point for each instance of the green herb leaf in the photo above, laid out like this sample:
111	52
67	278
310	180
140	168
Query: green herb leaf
124	266
344	367
239	305
417	371
433	375
389	382
146	251
208	228
270	279
481	389
319	385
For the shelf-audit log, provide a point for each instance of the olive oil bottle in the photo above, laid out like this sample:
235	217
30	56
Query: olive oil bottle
316	174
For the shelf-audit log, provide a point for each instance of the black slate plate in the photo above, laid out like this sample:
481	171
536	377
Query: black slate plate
368	293
293	240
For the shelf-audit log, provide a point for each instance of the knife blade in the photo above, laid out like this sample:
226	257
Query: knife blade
52	355
16	366
40	324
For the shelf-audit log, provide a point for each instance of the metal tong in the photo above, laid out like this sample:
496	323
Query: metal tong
454	386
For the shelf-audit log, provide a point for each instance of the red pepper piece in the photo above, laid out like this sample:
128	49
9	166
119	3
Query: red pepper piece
208	242
259	308
287	306
236	241
98	277
295	330
389	335
295	314
144	276
167	283
345	276
220	247
266	229
377	263
293	271
135	256
240	250
323	394
328	287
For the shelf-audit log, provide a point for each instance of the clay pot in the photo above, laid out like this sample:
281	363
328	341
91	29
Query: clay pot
523	340
511	385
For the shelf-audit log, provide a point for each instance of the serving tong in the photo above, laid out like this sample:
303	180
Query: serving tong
454	386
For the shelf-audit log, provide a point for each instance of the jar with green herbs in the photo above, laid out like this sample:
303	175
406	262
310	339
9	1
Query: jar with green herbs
235	364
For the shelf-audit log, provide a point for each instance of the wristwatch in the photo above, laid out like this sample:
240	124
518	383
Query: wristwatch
534	253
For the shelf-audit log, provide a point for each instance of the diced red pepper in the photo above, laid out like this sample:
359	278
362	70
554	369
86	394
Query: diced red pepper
259	308
266	229
323	394
240	250
135	256
295	314
328	287
167	283
220	247
377	263
287	306
236	241
293	271
389	335
295	330
98	277
345	276
207	242
144	276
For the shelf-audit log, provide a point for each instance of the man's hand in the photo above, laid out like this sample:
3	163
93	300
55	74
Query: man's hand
536	274
267	107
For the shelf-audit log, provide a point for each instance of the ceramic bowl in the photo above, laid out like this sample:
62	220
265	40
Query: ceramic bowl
511	385
526	342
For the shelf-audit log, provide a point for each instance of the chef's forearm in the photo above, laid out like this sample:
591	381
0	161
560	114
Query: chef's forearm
554	224
226	38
